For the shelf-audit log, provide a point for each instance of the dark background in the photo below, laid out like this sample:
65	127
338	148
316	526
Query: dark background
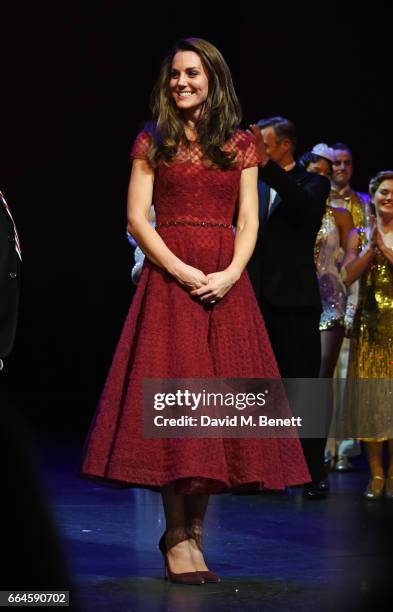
75	85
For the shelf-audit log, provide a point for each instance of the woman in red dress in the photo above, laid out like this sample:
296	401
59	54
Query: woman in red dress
194	314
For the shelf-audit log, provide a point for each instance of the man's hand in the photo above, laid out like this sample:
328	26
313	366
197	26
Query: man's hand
260	145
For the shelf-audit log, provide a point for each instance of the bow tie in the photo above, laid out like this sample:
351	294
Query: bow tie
340	196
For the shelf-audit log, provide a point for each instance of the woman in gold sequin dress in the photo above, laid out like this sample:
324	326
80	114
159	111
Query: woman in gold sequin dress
370	406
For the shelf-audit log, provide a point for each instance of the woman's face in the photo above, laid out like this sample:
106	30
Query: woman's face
189	84
320	167
383	197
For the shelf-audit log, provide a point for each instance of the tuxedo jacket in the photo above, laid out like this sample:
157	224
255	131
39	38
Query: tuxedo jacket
9	283
282	269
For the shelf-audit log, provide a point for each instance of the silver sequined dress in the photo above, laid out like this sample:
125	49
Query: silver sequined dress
328	257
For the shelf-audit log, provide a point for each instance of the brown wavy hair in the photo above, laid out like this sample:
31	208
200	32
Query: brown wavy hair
220	116
384	175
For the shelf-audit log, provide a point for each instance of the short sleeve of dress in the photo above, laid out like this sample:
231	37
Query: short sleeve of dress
250	155
140	146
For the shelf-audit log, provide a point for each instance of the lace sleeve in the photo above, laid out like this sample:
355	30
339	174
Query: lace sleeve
141	145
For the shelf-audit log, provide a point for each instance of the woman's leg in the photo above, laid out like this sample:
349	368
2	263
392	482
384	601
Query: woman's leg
374	455
176	534
195	510
389	481
331	341
376	484
390	471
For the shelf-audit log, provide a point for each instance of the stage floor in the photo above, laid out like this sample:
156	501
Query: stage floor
273	551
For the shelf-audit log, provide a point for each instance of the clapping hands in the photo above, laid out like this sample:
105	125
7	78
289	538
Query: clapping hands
260	145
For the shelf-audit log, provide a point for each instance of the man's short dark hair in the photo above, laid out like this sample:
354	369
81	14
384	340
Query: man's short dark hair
283	128
341	146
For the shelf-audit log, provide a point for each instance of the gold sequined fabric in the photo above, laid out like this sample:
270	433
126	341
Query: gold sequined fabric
328	257
371	352
358	204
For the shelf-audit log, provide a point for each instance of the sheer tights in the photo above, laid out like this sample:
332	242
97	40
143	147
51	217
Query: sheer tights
184	515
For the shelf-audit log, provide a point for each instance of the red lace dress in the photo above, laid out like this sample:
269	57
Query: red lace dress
169	334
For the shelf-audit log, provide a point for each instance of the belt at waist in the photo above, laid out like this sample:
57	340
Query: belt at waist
181	222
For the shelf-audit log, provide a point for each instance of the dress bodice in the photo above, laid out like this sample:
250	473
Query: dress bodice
375	312
187	189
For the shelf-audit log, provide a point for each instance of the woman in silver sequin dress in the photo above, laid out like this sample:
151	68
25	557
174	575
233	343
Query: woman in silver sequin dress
330	249
329	253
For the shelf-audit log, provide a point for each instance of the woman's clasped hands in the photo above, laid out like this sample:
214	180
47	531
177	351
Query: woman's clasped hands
218	284
208	288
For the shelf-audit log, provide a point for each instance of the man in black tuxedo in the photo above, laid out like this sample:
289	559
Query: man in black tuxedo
34	559
291	206
9	279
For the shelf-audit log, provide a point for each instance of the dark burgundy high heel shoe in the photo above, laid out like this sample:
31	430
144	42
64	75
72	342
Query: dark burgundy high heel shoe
193	578
209	576
195	533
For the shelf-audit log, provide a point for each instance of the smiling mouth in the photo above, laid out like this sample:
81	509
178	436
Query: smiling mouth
184	94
